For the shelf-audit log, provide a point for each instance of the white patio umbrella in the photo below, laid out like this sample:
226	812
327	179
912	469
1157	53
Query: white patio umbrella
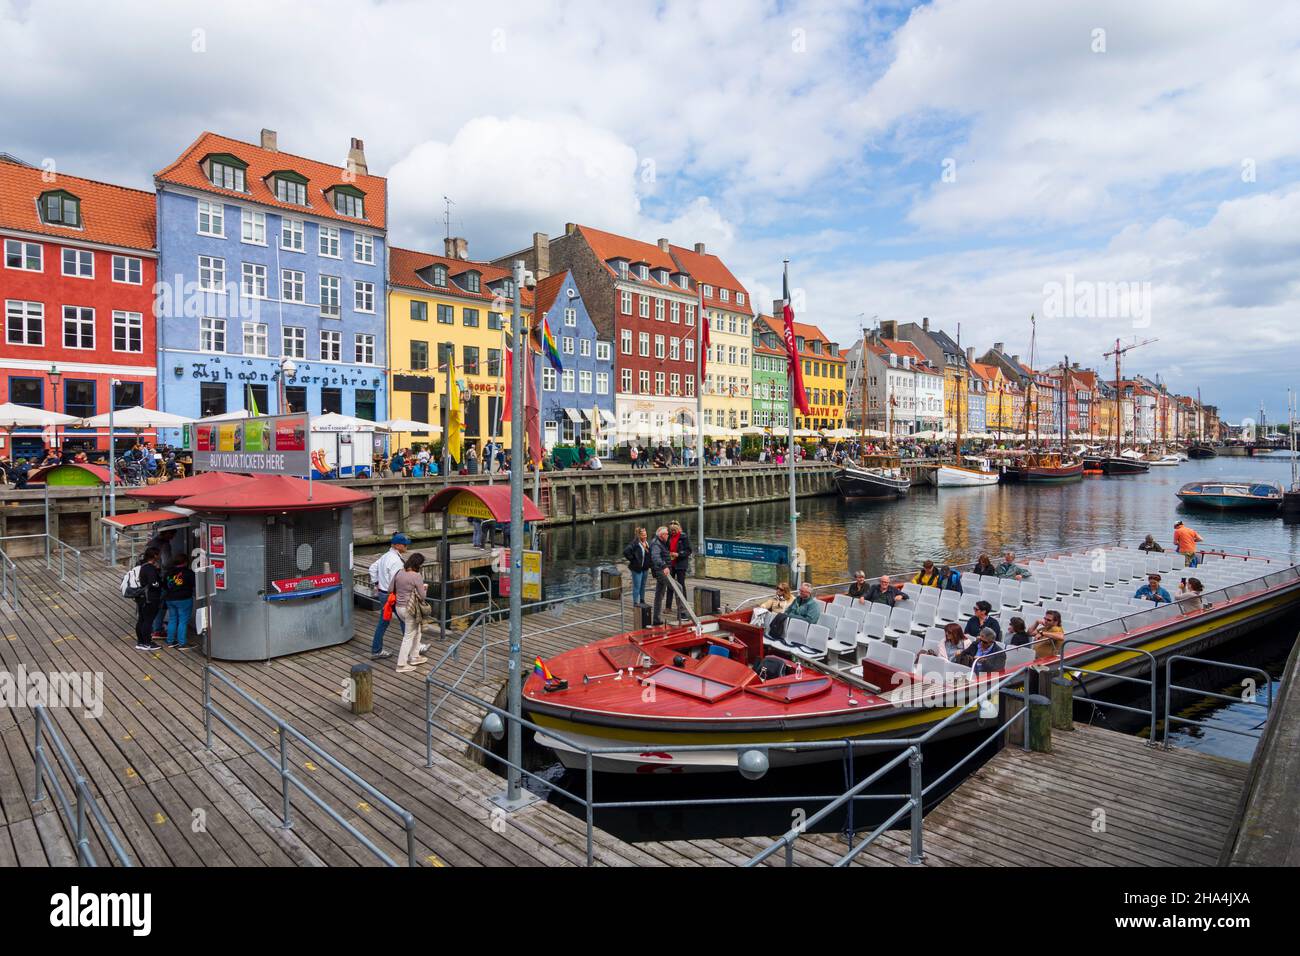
137	419
20	416
752	430
234	416
842	433
406	425
334	422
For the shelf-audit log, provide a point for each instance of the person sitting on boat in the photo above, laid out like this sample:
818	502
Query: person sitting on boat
1017	632
984	566
1009	569
1151	544
1189	593
1048	634
859	588
779	601
1185	543
985	654
805	607
883	592
981	619
950	579
1152	591
928	575
953	643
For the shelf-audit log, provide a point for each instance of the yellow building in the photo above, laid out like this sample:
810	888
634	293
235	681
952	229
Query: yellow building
999	403
442	307
824	378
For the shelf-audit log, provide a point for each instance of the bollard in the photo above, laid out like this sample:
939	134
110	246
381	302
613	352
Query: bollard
1040	724
707	600
1062	703
363	689
611	582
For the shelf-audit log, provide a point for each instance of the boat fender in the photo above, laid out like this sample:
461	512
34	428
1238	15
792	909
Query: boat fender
678	660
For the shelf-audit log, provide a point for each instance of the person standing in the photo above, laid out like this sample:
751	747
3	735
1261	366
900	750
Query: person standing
1185	543
638	562
382	573
178	595
661	566
148	601
411	592
679	547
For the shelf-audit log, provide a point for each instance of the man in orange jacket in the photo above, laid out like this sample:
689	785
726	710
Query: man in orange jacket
1185	542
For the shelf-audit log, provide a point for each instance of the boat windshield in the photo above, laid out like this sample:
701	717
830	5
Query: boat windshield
787	692
692	685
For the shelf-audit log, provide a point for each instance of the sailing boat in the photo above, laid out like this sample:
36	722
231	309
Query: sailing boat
1041	467
961	475
859	481
1119	463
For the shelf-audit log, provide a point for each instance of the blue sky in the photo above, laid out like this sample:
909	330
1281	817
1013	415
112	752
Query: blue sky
1107	145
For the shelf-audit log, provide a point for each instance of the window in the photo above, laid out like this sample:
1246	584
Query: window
27	392
419	311
690	386
469	318
548	379
328	245
60	209
128	332
740	298
725	294
603	351
659	310
674	384
127	269
329	296
128	395
626	380
494	362
363	248
471	360
584	382
78	327
690	349
644	381
472	281
566	380
212	335
643	306
690	316
625	302
226	175
79	263
294	342
253	280
363	296
212	274
602	383
708	292
622	269
494	321
571	318
252	227
440	275
419	356
507	288
659	383
659	346
625	341
643	343
567	346
24	255
367	402
446	315
24	323
331	400
290	190
349	203
584	347
675	313
293	286
363	349
675	349
331	346
212	398
292	235
744	356
255	338
446	354
79	398
212	219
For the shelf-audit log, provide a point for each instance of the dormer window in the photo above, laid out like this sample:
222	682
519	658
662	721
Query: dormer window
621	265
60	208
472	281
508	288
725	294
440	276
663	276
348	201
643	271
798	343
227	172
682	280
290	187
740	298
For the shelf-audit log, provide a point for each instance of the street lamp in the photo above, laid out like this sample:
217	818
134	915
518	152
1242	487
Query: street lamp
287	371
54	375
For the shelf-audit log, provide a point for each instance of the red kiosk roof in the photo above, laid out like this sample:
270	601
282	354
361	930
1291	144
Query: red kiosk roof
138	518
494	498
274	493
185	487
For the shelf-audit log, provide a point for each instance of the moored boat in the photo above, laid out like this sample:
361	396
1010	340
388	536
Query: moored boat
856	483
1201	451
1120	465
1219	495
960	476
1045	469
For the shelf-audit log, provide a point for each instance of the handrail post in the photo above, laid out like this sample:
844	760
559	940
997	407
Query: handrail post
207	704
284	774
1169	679
914	765
591	812
38	754
428	723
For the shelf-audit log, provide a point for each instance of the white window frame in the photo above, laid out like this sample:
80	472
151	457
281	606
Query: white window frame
330	237
659	310
567	344
625	341
584	348
363	248
625	302
79	317
212	328
252	222
548	379
566	380
80	256
643	307
363	348
293	281
293	341
625	380
690	386
250	275
126	262
603	351
334	340
643	345
675	349
571	318
661	383
644	381
584	382
660	347
602	383
293	229
24	254
331	306
689	350
675	313
216	216
690	316
216	270
128	322
363	296
256	333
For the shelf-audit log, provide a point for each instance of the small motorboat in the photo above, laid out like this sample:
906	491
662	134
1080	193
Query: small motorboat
857	483
1164	461
972	473
1232	495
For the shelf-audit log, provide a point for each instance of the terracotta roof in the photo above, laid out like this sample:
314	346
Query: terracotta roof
198	484
546	291
707	269
404	267
810	333
111	215
187	171
607	246
271	493
988	373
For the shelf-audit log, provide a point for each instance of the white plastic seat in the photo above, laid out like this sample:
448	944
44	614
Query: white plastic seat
966	606
947	611
923	616
910	642
813	646
901	659
900	622
933	644
855	614
1009	595
878	651
845	638
1029	592
932	669
934	634
796	631
872	629
842	600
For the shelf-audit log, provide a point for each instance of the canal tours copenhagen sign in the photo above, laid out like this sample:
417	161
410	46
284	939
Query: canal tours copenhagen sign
270	445
747	551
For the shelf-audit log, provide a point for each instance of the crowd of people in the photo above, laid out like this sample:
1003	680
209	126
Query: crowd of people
141	463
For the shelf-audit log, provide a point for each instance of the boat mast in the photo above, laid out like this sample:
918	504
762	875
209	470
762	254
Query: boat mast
862	398
958	390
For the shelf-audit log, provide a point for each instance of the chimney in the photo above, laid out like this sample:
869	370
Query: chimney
889	329
970	353
541	255
997	346
925	323
570	228
462	249
1015	360
269	140
699	247
357	157
778	307
663	245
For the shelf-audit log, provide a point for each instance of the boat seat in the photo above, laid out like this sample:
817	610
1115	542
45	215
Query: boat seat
901	659
923	616
878	651
855	614
813	647
900	622
873	629
910	642
842	600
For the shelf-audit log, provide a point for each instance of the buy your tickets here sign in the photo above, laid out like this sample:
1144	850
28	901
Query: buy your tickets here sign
270	445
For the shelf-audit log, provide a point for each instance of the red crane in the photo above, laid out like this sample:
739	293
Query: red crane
1118	351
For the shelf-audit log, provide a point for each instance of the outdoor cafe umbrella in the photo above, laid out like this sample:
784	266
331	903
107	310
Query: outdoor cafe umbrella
407	425
137	419
20	416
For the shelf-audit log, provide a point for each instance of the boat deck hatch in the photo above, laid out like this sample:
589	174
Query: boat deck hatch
692	685
623	656
789	691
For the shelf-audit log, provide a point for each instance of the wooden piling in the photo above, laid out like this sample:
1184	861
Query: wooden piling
363	689
1040	724
1062	703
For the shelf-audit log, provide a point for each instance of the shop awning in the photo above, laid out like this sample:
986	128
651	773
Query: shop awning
139	519
574	415
608	417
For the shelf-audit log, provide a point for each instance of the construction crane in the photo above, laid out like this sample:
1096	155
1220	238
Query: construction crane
1118	351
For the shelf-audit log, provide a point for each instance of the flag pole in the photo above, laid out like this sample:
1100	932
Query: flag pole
699	421
794	513
514	736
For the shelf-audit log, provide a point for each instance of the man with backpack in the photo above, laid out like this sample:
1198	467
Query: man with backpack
143	584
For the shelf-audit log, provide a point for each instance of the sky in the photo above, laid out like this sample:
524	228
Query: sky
1118	170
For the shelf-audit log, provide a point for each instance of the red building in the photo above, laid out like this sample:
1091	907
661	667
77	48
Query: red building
77	285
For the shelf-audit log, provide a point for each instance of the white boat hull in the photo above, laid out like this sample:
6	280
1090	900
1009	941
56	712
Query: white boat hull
948	476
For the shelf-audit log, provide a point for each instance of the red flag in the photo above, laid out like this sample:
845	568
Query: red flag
532	414
510	383
704	332
796	366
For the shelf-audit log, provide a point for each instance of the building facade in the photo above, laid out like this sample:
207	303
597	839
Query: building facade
273	271
824	380
77	287
771	408
577	401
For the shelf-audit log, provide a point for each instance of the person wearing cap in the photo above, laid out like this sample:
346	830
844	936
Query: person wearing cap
1152	591
382	573
1185	543
986	654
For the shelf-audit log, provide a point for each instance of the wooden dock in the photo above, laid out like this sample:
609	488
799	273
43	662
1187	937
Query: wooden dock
175	803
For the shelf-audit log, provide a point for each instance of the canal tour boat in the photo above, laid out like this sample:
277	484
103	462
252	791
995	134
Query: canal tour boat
968	473
857	674
858	482
1219	495
1043	469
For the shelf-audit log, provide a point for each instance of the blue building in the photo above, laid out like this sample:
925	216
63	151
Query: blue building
976	405
272	282
577	403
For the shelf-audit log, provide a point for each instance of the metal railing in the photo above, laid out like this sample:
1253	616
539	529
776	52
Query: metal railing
9	582
1075	669
1171	687
74	816
9	579
289	780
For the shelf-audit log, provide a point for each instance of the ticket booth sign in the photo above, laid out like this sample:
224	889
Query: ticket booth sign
532	573
268	445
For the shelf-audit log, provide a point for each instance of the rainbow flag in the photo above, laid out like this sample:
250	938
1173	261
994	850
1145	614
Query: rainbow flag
541	670
549	346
